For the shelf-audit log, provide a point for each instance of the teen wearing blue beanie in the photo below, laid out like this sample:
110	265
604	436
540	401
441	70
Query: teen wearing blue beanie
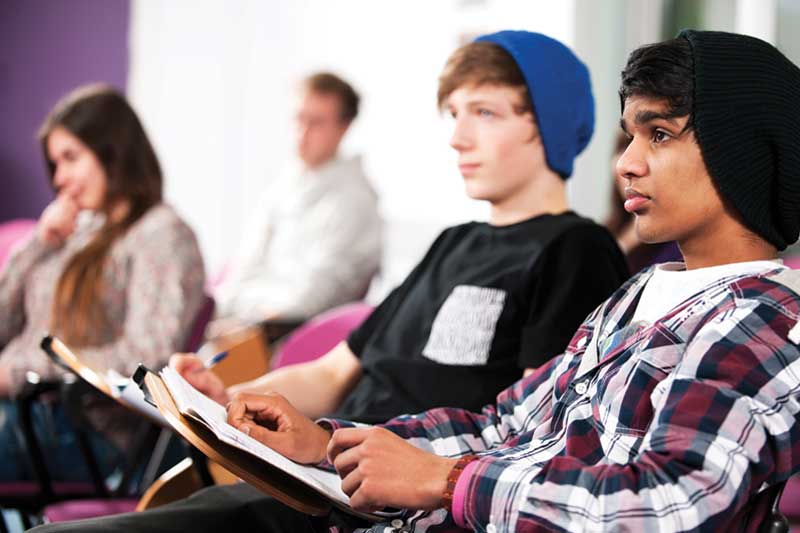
560	91
488	301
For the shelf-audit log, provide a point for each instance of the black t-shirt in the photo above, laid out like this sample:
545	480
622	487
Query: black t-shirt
485	303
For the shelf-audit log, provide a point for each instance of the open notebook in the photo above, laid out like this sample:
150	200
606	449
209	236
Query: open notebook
194	404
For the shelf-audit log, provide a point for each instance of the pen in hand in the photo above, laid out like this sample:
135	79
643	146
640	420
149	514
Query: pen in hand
210	363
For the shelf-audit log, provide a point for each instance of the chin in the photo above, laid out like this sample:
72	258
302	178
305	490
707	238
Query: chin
476	192
654	237
479	196
649	233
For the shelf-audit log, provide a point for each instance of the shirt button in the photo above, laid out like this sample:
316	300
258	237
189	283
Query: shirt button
581	388
397	523
491	529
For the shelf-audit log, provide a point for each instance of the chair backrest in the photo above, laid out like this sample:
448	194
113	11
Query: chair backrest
790	501
764	514
317	336
792	262
12	233
201	320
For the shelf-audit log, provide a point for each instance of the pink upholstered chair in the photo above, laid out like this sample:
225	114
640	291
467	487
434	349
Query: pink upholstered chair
792	262
790	501
317	336
13	233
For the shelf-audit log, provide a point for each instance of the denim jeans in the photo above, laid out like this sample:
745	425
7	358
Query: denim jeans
57	440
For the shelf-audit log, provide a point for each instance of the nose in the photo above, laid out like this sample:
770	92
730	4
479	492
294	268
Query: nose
302	129
60	176
632	163
461	138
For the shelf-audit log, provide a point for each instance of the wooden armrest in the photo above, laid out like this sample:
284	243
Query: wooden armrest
248	356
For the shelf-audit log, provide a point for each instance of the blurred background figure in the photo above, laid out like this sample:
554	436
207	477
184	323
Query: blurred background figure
110	269
315	240
621	223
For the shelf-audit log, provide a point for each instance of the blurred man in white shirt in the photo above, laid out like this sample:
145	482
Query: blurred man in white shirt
315	241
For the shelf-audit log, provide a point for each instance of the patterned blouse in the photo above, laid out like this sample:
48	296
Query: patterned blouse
153	279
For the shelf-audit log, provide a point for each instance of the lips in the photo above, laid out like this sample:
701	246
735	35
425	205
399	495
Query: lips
468	168
635	201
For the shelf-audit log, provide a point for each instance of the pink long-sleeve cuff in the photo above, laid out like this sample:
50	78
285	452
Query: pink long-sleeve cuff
460	494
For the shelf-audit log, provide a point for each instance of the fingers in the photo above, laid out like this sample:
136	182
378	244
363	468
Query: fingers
278	441
352	481
346	462
65	208
365	499
246	407
66	199
237	413
343	439
57	221
184	363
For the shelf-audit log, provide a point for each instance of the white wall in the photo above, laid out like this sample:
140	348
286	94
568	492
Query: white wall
214	82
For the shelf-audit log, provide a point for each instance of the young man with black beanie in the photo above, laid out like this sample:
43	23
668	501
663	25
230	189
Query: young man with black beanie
676	403
488	301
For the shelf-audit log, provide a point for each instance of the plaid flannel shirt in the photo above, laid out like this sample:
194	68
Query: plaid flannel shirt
672	426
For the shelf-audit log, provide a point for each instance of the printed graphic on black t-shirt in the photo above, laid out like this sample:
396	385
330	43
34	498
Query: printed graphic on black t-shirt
464	327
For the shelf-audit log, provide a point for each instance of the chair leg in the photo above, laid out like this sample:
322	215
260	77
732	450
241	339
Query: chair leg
200	462
26	520
160	450
91	462
147	438
25	407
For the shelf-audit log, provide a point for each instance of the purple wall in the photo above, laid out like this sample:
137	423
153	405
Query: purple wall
46	49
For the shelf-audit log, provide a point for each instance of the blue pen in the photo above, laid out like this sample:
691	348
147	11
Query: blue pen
216	359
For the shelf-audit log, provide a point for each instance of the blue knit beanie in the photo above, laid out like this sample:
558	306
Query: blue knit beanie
561	93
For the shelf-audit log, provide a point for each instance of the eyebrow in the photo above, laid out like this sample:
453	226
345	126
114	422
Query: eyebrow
480	102
643	117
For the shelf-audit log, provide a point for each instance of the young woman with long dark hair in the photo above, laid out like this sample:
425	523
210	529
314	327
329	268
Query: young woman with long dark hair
111	269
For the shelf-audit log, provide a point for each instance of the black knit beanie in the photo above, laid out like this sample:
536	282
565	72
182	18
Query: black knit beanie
747	122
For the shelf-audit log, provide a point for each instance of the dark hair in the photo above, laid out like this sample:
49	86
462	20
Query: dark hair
482	63
100	118
328	83
663	71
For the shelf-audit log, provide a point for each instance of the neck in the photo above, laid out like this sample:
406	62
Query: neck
732	245
545	194
308	165
119	211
